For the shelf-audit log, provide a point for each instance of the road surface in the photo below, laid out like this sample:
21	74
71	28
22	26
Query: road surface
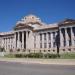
11	68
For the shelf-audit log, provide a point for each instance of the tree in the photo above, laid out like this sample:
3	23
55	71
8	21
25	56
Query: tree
57	40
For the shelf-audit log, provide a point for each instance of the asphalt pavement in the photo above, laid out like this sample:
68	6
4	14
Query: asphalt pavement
15	68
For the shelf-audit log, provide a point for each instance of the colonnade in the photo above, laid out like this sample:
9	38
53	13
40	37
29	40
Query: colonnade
67	37
21	39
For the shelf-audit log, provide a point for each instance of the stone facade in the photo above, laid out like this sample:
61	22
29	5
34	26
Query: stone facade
32	35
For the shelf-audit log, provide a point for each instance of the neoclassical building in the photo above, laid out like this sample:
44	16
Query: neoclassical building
32	35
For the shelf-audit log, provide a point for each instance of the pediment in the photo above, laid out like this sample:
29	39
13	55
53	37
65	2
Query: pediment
22	26
67	22
28	22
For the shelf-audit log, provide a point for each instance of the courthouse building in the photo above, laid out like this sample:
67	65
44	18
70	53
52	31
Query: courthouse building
30	34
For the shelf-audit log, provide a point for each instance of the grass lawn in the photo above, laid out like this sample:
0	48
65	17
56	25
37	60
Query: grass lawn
67	56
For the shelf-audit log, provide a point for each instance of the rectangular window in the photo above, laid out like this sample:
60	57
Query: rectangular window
34	45
53	35
64	42
40	37
69	42
9	40
49	35
4	40
49	45
44	36
54	44
34	38
74	42
40	45
45	45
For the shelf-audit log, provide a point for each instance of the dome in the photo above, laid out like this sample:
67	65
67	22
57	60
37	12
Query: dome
30	19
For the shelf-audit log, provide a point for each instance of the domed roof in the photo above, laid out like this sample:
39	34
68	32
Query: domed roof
29	19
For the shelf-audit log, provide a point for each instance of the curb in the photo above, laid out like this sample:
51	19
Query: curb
40	61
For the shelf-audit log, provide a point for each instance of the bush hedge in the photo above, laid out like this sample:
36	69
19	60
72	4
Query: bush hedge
33	55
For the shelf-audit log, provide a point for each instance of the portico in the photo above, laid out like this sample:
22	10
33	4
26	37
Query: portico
21	39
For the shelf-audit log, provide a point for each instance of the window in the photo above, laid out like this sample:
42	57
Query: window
34	38
64	42
49	35
45	45
54	44
44	36
69	42
74	41
34	45
40	45
53	35
49	45
40	37
9	40
4	40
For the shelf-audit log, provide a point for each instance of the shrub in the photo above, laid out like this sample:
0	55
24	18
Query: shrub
38	55
33	55
18	55
2	49
50	55
11	50
18	50
9	55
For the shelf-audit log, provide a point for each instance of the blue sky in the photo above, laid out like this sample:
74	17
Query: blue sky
50	11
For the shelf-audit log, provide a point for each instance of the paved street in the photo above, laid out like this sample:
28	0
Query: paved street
12	68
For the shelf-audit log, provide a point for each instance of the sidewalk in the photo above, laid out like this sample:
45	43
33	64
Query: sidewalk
40	61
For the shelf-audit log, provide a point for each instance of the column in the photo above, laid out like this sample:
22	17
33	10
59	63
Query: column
22	40
61	39
11	43
47	40
72	37
66	37
26	39
5	43
55	38
18	43
42	41
14	41
51	40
